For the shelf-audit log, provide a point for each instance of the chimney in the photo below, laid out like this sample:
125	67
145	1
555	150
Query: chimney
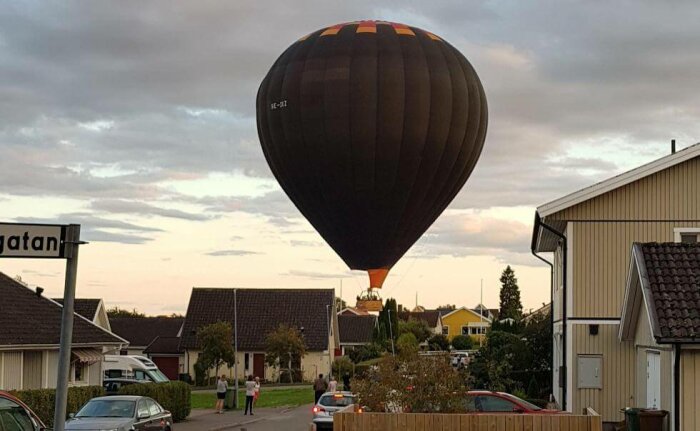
673	146
39	291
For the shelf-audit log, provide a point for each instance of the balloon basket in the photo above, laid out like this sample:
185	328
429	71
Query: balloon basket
369	300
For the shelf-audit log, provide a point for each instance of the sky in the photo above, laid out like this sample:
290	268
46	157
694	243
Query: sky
137	120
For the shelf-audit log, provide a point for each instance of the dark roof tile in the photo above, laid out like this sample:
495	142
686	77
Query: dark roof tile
356	329
141	331
168	345
84	306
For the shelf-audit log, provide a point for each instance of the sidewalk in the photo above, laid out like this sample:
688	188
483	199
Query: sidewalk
208	420
264	387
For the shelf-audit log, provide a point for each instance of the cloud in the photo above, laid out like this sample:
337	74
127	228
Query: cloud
231	253
41	273
142	208
318	275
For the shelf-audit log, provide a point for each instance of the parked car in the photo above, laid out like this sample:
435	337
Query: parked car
329	403
17	416
501	402
112	386
460	359
121	413
132	367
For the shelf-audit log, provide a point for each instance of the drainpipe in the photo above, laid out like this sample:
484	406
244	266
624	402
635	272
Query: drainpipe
677	388
551	299
562	238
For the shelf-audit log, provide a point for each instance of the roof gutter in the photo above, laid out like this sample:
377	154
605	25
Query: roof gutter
677	388
533	247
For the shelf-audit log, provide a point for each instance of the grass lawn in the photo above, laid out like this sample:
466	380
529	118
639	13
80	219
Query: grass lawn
276	398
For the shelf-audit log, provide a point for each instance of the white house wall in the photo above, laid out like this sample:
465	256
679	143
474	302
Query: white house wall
12	371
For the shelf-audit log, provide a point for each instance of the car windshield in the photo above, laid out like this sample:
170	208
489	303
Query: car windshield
337	400
521	401
107	409
157	376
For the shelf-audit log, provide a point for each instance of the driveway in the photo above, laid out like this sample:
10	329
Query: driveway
271	419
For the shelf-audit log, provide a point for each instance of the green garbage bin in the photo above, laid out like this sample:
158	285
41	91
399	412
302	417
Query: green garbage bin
230	400
632	418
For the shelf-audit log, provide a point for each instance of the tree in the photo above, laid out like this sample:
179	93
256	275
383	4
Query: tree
496	365
511	307
217	348
447	307
462	342
340	304
366	352
438	342
407	343
419	328
387	323
122	312
282	345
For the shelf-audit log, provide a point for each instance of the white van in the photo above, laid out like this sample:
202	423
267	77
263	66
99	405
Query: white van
132	367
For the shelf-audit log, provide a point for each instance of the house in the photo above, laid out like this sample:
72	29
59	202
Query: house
491	313
544	310
257	312
353	311
661	318
92	309
166	353
30	332
141	331
590	233
464	321
354	331
430	317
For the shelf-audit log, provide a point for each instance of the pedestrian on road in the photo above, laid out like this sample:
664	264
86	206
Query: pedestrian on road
249	395
333	384
257	390
221	388
320	387
346	381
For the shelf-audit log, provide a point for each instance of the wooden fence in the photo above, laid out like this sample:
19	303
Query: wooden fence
351	421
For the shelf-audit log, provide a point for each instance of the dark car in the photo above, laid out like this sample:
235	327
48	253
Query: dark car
501	402
112	386
121	413
17	416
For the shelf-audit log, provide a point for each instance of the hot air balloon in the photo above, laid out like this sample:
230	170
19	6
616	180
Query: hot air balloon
371	128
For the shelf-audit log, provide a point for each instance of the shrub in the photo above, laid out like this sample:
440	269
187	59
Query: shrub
173	396
342	365
365	353
419	328
364	367
438	342
407	343
43	401
463	342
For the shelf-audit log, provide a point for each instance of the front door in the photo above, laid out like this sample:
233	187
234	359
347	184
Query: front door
259	365
653	380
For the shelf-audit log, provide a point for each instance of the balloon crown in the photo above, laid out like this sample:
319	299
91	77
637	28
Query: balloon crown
370	27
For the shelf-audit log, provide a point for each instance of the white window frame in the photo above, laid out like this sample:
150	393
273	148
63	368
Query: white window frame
445	330
468	328
678	231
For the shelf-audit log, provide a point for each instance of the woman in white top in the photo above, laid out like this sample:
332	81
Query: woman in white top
249	395
221	387
257	390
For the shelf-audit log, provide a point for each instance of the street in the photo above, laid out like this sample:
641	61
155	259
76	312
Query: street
294	419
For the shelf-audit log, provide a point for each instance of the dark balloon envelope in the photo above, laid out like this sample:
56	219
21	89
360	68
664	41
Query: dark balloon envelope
371	128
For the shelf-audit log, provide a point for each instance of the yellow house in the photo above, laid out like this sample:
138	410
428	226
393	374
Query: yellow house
464	321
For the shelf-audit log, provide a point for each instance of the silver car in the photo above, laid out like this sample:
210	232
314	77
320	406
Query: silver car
121	413
329	403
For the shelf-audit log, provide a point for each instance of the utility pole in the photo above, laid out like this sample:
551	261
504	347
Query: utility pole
330	352
391	333
481	314
235	348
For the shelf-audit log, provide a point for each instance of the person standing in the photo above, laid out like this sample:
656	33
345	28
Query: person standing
333	384
221	388
346	381
249	395
320	387
257	390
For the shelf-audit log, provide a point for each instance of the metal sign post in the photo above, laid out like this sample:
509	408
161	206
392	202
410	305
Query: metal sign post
45	241
71	251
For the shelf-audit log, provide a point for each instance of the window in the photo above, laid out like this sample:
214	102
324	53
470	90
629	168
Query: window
246	360
686	235
465	330
445	330
144	411
79	371
13	417
486	403
477	330
153	408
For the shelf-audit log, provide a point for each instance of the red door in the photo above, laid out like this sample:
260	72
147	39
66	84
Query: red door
259	365
169	365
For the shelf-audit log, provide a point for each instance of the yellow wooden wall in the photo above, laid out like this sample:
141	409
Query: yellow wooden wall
459	318
463	422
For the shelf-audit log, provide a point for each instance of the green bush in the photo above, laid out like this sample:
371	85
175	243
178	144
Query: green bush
173	396
364	367
43	401
462	342
342	365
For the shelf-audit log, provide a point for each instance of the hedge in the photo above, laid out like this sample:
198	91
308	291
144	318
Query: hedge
43	401
173	396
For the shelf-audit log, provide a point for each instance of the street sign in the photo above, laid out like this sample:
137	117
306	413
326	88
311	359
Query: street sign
32	240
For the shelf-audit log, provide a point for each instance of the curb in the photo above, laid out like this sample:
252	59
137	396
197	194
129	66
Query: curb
234	425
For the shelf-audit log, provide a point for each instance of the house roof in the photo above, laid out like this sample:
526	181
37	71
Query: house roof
84	306
619	180
665	278
546	241
260	311
141	331
31	319
356	329
431	317
164	344
352	311
476	313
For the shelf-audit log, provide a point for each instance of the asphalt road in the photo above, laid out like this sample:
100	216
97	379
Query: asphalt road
270	419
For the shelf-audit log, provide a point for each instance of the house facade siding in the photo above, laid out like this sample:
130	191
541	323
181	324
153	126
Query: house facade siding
37	369
600	232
